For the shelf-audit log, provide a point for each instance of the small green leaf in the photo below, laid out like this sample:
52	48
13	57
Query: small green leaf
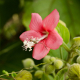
45	77
55	53
60	74
50	77
13	74
63	31
5	72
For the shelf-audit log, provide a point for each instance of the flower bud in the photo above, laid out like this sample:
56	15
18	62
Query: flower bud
53	59
76	44
58	64
27	63
46	59
18	78
76	41
5	72
38	74
49	68
24	75
74	71
78	59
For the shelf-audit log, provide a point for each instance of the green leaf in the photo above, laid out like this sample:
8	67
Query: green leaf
50	77
45	77
26	18
60	74
63	31
56	53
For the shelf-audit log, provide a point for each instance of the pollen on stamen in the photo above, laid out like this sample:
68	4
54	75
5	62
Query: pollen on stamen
25	45
28	44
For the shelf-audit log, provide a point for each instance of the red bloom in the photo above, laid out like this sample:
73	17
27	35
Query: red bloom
42	35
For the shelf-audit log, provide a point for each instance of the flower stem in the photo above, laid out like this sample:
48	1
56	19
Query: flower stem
36	67
64	45
54	74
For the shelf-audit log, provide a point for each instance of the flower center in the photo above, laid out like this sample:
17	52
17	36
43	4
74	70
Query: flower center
29	44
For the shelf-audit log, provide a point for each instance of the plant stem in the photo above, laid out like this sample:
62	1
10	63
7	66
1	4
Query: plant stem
61	53
36	67
65	46
54	74
9	48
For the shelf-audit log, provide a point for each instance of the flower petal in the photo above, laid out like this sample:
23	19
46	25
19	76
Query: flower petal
40	50
27	35
36	22
51	21
54	40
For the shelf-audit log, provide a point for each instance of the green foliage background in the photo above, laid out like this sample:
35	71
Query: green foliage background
11	52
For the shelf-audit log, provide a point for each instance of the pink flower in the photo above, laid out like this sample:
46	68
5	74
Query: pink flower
42	35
